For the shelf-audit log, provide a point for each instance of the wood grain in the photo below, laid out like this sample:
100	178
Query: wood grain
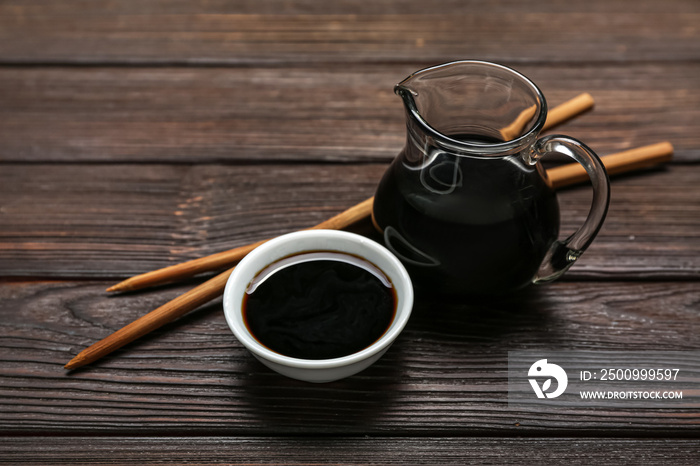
445	375
137	134
314	114
311	32
347	450
119	220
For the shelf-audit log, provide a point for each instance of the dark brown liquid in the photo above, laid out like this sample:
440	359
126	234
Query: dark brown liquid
319	305
464	225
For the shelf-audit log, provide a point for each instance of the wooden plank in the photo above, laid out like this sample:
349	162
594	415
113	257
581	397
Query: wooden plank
445	375
56	214
341	7
327	113
141	216
276	32
108	220
345	451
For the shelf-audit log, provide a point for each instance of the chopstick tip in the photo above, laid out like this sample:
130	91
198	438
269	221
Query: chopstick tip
667	147
79	360
585	101
72	364
121	286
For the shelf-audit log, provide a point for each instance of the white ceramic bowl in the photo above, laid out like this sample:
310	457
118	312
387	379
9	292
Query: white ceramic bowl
323	370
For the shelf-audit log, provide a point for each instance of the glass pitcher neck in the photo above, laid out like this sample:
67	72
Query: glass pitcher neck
473	108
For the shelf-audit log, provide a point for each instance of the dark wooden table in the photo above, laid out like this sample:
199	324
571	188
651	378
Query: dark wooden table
139	134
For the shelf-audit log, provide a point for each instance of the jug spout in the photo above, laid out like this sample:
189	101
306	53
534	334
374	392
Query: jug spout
473	107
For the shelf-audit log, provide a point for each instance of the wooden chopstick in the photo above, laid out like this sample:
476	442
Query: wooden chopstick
560	176
620	162
568	110
555	116
228	258
221	260
168	312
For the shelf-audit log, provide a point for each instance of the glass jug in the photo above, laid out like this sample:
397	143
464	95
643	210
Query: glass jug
466	206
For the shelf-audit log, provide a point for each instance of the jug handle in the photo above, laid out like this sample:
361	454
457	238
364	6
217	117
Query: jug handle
563	254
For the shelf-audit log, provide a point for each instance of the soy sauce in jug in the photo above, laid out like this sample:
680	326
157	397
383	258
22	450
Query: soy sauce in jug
466	225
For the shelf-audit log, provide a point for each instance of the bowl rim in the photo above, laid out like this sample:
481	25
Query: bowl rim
243	272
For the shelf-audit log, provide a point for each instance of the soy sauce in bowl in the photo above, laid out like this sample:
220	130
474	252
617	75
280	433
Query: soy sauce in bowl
319	305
